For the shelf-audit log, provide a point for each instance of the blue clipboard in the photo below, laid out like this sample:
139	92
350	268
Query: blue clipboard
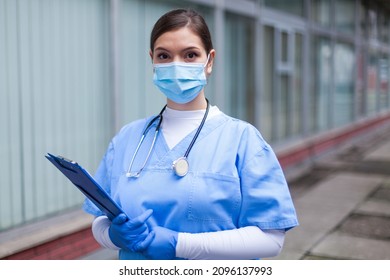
87	185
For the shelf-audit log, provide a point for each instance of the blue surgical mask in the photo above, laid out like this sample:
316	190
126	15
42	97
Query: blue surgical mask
180	82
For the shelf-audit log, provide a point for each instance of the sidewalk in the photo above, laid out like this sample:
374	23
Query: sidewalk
343	206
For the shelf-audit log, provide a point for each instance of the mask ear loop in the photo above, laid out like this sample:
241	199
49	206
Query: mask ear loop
205	65
207	61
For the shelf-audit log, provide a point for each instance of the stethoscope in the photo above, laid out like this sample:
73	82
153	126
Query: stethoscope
181	165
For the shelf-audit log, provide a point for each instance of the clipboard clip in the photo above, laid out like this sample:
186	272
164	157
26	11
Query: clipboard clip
55	158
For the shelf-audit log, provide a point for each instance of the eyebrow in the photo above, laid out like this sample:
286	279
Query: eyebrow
183	50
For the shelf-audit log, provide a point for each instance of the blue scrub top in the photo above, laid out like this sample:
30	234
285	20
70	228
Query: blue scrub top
234	180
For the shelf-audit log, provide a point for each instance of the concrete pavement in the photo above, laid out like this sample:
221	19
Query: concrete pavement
343	205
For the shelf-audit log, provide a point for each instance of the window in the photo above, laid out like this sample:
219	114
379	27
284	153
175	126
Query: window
377	94
343	104
345	16
384	27
268	87
321	11
281	104
297	110
320	84
295	7
239	67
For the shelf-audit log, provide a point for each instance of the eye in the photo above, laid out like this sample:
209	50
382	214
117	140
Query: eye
162	56
191	56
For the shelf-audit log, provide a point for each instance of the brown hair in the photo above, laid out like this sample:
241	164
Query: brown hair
179	18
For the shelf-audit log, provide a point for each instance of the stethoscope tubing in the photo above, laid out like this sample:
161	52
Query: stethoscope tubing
178	171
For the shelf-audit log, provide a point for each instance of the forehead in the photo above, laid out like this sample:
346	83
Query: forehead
179	38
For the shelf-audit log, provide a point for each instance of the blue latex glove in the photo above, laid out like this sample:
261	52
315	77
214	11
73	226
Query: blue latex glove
132	235
163	246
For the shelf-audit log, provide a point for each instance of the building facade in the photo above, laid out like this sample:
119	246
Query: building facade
310	74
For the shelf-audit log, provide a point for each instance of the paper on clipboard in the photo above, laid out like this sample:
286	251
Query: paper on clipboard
86	184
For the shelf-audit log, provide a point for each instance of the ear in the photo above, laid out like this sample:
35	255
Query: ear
151	55
209	66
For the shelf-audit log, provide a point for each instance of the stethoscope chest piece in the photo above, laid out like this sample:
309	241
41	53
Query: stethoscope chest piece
180	166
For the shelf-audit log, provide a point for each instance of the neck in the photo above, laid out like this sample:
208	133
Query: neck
199	103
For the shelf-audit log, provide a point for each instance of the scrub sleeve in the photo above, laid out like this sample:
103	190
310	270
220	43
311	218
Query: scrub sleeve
266	200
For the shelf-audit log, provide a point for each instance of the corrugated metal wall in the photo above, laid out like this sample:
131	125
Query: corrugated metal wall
54	96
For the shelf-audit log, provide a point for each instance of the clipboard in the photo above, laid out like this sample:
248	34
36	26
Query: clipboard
87	185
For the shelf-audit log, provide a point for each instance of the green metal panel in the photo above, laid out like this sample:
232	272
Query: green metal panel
12	133
26	110
54	97
6	149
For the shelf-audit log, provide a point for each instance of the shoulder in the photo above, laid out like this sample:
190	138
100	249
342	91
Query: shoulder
239	124
134	125
131	129
247	133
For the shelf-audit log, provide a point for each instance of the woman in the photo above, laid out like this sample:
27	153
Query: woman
205	185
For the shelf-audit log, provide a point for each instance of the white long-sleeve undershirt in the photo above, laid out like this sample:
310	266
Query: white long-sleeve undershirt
178	124
243	243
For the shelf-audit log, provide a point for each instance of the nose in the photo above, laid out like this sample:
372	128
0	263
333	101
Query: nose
177	58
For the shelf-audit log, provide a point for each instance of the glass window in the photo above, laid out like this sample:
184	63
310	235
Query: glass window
267	108
320	84
289	87
296	125
372	18
343	104
284	46
361	82
345	16
289	90
295	7
384	27
281	106
372	83
284	106
363	21
321	11
239	67
378	22
377	97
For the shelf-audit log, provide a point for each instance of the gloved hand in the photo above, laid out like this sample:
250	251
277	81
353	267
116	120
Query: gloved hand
163	246
132	235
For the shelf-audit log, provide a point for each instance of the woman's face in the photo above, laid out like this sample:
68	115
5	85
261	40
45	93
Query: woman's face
181	45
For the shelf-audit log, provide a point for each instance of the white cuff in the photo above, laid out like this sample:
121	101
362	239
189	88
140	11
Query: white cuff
243	243
100	227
